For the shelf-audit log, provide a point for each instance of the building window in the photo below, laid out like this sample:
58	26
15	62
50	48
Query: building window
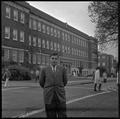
51	31
29	56
58	47
66	36
14	55
39	42
8	12
43	28
63	48
43	43
22	18
48	30
21	56
39	59
103	64
78	52
29	40
34	58
68	50
7	32
85	43
63	35
43	59
15	13
103	57
75	40
72	51
34	25
21	36
30	22
15	34
75	52
47	44
55	48
39	26
58	34
51	44
6	54
99	64
78	41
34	41
55	34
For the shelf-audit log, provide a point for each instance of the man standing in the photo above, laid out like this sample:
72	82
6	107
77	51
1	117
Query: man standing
53	79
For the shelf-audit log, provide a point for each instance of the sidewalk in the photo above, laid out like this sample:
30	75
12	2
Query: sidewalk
32	83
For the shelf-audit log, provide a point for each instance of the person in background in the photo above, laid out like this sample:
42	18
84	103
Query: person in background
6	76
53	80
37	75
97	80
93	78
104	77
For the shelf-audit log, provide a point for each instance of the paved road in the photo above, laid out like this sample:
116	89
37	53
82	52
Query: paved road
27	100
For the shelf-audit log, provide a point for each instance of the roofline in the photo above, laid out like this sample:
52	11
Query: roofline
49	18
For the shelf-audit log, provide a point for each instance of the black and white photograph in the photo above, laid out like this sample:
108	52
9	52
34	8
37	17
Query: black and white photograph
60	59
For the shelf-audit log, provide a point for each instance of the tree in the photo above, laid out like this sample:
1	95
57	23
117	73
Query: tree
105	15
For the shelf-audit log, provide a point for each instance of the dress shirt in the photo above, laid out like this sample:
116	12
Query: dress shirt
53	68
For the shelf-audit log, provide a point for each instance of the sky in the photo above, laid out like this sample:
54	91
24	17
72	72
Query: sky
73	13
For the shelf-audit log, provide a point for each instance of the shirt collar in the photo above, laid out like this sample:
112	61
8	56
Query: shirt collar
52	67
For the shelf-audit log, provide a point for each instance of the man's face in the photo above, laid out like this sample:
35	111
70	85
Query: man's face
54	60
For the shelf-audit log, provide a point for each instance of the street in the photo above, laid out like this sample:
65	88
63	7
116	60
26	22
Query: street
82	101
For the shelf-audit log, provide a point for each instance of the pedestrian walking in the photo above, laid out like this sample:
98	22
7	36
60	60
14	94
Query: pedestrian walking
6	76
93	76
53	79
97	80
37	75
104	77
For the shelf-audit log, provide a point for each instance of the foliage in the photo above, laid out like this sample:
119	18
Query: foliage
105	15
16	74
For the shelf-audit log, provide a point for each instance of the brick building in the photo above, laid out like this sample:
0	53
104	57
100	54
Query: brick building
106	61
30	35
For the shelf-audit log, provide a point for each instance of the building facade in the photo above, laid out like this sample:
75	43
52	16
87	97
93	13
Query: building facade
107	62
30	35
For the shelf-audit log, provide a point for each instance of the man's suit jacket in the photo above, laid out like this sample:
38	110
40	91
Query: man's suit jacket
53	83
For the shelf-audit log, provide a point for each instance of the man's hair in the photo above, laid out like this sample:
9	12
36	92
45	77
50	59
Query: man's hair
54	54
97	68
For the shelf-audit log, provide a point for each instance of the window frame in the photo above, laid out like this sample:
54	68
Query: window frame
7	12
34	41
22	17
22	36
21	56
30	40
15	15
15	34
7	32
